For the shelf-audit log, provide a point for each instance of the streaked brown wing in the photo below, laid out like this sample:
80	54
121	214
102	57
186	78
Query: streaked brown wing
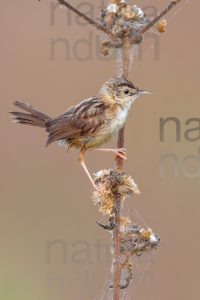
78	122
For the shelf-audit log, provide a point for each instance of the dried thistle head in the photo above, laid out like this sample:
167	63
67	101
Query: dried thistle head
113	185
116	182
123	19
134	240
137	243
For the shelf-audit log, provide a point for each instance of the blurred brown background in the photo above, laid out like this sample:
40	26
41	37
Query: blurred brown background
45	196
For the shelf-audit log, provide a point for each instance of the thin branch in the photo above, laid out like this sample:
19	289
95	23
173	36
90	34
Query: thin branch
161	14
137	38
88	19
120	144
116	255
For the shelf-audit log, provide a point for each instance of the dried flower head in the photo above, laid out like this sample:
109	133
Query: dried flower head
138	241
123	20
161	25
113	184
134	240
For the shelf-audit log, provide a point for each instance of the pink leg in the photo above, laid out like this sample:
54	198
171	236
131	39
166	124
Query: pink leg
88	174
82	162
121	152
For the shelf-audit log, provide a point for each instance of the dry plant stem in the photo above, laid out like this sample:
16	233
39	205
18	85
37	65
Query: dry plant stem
88	19
126	46
161	14
116	232
126	67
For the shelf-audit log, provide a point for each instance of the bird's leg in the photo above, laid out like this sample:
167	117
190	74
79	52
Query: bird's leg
82	162
121	152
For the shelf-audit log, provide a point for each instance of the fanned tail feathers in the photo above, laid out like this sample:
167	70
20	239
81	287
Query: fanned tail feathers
33	117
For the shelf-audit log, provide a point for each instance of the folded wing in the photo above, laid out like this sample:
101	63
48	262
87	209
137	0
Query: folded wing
79	122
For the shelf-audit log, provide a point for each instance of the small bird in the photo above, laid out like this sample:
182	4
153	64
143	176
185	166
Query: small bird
89	124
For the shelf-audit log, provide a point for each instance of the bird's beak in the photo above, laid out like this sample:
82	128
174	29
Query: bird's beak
143	92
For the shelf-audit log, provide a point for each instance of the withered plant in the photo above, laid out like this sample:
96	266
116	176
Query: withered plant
123	27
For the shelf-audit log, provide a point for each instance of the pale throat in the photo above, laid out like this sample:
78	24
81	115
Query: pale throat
121	115
122	112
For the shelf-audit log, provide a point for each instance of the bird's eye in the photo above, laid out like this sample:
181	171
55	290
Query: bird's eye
126	92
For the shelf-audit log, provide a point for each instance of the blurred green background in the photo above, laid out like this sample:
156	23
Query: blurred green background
46	197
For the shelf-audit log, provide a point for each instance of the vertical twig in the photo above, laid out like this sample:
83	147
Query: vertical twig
120	144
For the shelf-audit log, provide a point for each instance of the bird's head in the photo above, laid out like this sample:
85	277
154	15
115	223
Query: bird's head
120	90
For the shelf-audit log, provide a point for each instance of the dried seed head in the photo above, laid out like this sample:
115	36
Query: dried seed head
113	184
116	182
136	240
123	20
161	26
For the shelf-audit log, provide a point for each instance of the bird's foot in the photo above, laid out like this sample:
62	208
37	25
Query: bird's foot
120	152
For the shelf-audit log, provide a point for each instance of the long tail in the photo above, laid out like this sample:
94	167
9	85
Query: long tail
34	117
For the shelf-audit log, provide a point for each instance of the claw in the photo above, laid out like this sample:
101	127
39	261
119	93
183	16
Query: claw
121	152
